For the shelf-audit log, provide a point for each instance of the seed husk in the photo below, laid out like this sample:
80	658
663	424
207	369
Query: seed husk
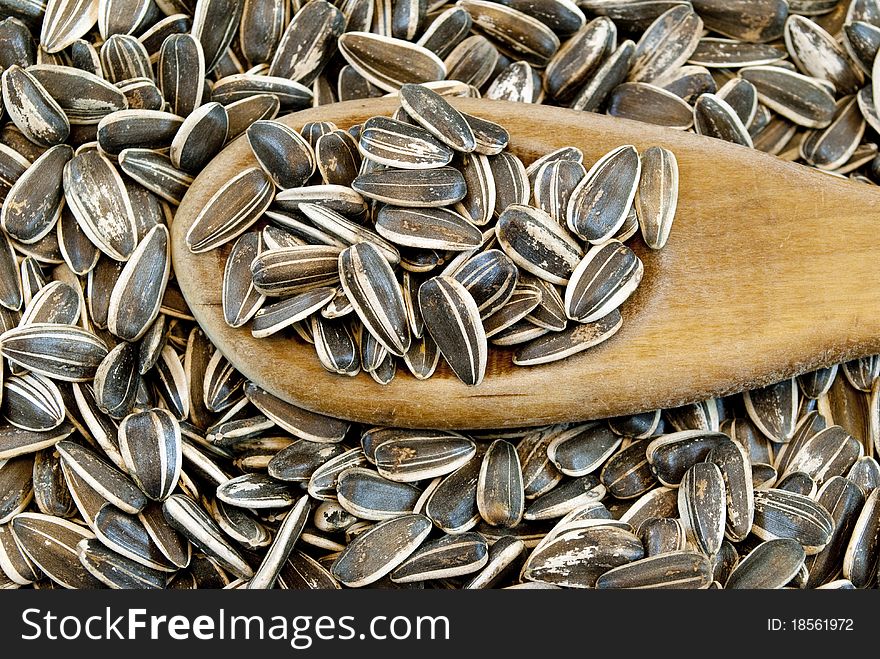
32	109
106	480
843	500
61	352
401	145
602	281
577	558
559	345
702	506
446	557
50	542
412	456
379	550
863	551
452	318
367	495
187	517
96	195
137	294
679	569
390	63
781	514
414	188
372	288
772	564
434	113
231	210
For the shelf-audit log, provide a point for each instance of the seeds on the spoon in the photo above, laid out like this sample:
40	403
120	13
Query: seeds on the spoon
372	288
453	320
234	207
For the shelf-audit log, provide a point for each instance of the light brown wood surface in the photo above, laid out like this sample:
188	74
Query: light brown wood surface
770	271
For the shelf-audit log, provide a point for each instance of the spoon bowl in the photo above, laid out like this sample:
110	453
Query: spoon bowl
770	271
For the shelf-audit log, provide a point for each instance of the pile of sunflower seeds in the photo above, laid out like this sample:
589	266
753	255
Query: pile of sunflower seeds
454	243
132	454
218	484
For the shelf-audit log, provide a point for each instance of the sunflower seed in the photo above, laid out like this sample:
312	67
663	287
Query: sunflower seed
796	97
449	556
773	409
286	538
671	455
295	420
843	501
612	72
701	504
127	129
413	188
577	558
452	318
817	54
308	42
379	550
367	495
84	97
150	445
115	570
575	339
231	210
193	523
127	536
733	461
33	204
863	551
62	352
137	294
582	449
50	542
518	34
771	564
370	284
602	281
110	483
571	65
390	63
32	402
680	569
780	514
32	109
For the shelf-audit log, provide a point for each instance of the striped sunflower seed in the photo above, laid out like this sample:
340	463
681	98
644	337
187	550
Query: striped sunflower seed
150	444
110	483
367	495
702	506
50	542
408	456
375	294
781	514
772	564
231	210
843	500
657	196
137	294
577	558
61	352
390	63
446	557
452	318
863	551
606	276
379	550
680	569
187	517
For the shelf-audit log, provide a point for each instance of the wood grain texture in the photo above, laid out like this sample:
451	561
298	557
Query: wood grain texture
770	271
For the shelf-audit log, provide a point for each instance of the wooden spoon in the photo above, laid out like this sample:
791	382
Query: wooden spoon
770	271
